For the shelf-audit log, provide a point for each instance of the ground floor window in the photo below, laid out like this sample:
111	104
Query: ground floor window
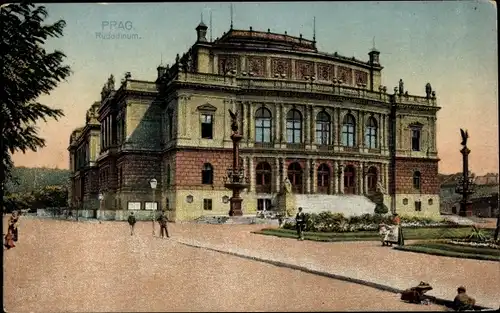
418	206
207	204
263	204
151	206
134	206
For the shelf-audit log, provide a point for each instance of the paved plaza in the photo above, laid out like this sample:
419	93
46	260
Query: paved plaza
86	266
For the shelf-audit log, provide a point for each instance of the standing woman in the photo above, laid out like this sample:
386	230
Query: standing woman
14	225
396	220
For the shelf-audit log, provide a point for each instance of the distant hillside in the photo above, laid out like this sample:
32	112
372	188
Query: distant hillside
32	179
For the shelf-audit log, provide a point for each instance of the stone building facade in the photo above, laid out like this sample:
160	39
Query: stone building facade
321	120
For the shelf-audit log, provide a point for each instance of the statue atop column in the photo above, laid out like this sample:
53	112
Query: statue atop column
465	136
234	121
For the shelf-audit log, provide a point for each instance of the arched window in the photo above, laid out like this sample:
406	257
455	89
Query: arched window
263	123
207	174
372	179
293	126
349	179
416	180
263	176
295	177
323	128
371	133
348	131
323	178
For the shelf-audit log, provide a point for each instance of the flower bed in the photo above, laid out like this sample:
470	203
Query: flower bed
336	222
470	243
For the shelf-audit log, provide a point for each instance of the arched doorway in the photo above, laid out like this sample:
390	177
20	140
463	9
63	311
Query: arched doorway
371	178
323	183
349	180
295	177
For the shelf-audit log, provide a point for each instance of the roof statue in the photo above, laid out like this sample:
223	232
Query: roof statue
401	87
465	136
428	90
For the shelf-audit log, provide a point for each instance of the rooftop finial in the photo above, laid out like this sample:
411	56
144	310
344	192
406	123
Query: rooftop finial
161	59
231	16
201	17
314	28
210	25
374	44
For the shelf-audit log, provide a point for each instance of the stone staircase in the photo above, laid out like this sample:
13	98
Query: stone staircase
349	205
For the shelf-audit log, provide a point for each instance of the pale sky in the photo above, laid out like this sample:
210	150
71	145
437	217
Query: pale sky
451	44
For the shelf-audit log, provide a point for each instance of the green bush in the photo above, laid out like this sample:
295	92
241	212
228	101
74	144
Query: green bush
381	209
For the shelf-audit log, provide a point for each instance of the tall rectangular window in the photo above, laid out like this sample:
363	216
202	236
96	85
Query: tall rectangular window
207	126
418	206
415	139
207	204
263	204
170	123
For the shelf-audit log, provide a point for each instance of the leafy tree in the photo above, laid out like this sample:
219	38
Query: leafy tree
27	72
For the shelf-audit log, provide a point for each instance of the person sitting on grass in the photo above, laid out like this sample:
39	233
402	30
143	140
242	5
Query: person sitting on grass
462	301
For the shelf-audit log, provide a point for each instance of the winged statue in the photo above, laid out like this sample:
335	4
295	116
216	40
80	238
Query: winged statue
465	136
234	120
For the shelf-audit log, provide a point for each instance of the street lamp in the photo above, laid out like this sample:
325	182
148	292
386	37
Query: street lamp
100	196
153	182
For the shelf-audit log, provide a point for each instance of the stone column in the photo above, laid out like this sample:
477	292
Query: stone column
359	130
339	128
434	134
314	178
251	123
275	123
251	173
277	175
312	124
283	123
386	131
341	178
285	169
360	179
306	126
380	128
333	176
307	174
386	177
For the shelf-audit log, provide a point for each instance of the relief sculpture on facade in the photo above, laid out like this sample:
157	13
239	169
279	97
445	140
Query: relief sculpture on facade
345	75
361	78
257	66
281	67
304	69
227	64
325	72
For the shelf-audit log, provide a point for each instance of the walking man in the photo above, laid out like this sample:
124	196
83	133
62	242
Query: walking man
131	222
163	220
300	222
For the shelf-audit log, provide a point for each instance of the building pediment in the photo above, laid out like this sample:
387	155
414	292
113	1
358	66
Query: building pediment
207	107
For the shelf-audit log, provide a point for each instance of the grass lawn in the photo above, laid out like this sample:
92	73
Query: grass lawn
424	233
450	250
